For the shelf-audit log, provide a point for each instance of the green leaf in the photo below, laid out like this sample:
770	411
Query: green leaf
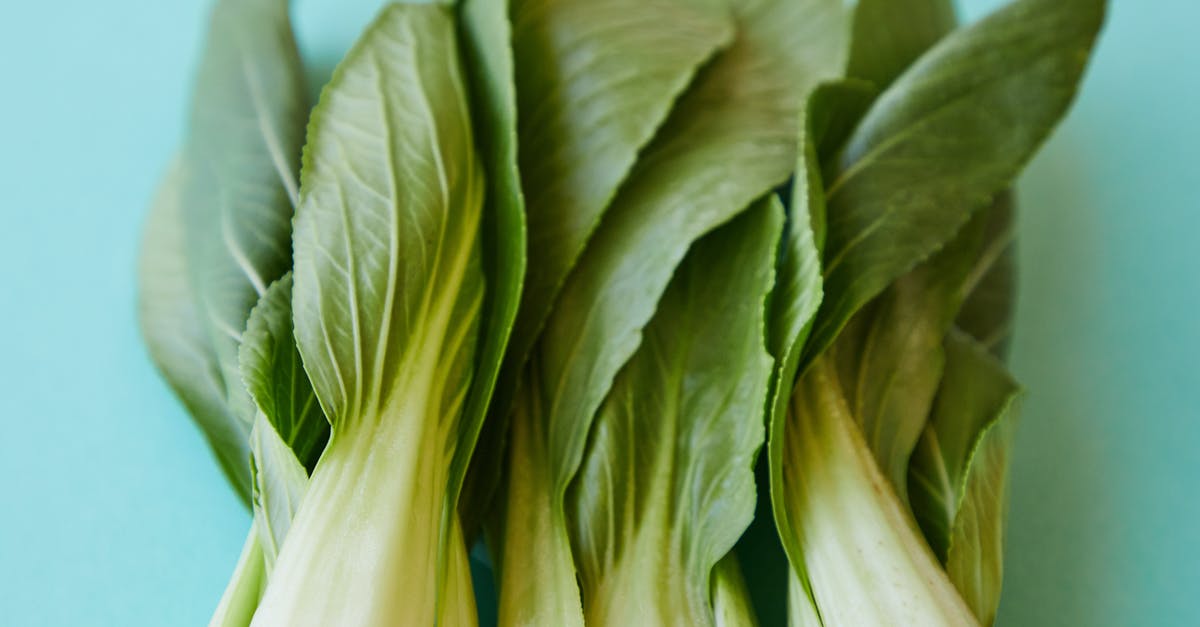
176	336
667	484
388	291
729	140
274	375
242	151
279	483
830	109
889	357
290	430
598	78
958	474
486	42
942	141
889	35
220	230
865	558
987	313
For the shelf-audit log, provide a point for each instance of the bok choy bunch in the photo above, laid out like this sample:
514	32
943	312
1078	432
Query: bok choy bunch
544	277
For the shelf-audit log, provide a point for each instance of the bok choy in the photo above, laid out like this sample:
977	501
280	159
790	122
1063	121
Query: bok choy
536	281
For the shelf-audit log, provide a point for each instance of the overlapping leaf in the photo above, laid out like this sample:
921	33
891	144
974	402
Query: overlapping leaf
943	141
597	79
235	189
388	293
667	484
958	474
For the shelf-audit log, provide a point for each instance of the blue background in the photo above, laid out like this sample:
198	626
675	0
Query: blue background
112	512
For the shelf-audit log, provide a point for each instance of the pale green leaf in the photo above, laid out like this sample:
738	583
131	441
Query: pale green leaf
175	333
241	155
290	430
220	230
942	141
279	482
667	484
388	291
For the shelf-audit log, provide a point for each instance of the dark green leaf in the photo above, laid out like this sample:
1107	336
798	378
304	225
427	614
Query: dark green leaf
947	137
275	378
730	139
987	313
667	484
597	79
889	35
486	40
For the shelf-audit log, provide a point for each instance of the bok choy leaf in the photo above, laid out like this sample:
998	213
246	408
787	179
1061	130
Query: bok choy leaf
220	231
599	77
387	302
666	486
729	140
911	188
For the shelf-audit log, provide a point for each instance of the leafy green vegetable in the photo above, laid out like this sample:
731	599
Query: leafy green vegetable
387	300
230	200
729	140
175	335
942	141
667	485
628	351
599	78
829	112
290	430
908	241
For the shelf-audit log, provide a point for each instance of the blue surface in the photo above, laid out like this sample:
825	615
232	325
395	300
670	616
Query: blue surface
113	513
